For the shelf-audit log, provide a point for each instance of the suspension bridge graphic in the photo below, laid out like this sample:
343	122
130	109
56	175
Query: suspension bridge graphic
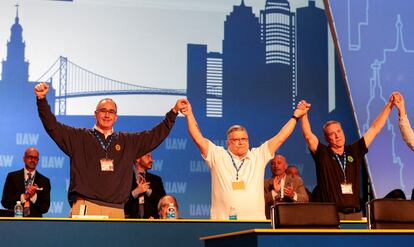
75	81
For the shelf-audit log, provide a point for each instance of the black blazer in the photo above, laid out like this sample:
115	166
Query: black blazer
14	187
151	202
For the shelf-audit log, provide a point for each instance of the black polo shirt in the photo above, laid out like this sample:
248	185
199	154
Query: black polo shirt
330	174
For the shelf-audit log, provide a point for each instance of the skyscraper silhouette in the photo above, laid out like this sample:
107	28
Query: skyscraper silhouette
196	78
243	59
16	94
312	58
278	37
204	81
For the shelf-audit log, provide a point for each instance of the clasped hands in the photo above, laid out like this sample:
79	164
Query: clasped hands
30	191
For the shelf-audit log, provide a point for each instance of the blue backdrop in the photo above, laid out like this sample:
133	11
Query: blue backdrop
238	62
377	43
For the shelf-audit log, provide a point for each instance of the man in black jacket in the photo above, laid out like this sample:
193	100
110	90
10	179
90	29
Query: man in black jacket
28	186
147	189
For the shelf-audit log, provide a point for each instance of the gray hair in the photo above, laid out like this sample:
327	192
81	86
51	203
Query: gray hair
235	128
163	202
330	122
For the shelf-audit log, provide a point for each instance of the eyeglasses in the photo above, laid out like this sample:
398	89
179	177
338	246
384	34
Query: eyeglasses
32	157
237	140
105	111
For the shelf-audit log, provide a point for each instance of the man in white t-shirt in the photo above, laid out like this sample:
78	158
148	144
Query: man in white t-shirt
237	174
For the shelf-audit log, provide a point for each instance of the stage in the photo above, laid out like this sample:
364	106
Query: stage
124	232
311	237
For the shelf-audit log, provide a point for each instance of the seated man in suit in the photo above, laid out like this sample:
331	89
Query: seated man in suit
147	189
28	186
294	171
163	205
282	187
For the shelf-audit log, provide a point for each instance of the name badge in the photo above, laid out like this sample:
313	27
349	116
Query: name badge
238	185
141	200
107	165
346	188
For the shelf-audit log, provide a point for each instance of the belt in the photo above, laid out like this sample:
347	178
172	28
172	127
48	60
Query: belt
349	210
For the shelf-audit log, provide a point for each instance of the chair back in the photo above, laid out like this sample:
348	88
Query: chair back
390	214
305	215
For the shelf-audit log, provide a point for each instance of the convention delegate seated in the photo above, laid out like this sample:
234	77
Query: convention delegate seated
338	166
147	190
283	187
163	205
237	173
294	171
100	158
28	186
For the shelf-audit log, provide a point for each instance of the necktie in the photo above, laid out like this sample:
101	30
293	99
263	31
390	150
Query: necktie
26	206
28	182
141	198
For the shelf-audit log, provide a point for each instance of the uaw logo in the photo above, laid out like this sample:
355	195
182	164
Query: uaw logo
198	166
52	161
29	139
200	209
175	187
175	143
6	160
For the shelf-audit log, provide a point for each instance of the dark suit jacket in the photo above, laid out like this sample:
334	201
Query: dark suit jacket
151	202
14	187
298	187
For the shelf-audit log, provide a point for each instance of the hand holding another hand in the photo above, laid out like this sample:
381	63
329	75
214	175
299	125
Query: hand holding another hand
180	105
398	100
301	109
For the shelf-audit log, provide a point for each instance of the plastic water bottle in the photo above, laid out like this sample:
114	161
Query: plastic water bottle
171	211
233	213
18	209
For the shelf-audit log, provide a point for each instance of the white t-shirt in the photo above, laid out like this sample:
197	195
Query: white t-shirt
249	203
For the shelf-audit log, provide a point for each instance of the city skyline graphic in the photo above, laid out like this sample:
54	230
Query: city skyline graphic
267	64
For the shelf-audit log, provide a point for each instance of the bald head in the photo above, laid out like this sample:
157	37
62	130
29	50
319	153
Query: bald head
30	159
279	165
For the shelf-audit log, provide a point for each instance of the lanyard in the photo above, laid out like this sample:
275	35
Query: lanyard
235	167
342	165
104	147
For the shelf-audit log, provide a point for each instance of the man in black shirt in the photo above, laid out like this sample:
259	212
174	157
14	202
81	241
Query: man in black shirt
100	158
338	165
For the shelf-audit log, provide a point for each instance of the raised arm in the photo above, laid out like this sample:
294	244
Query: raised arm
378	123
147	141
310	138
57	131
276	141
194	130
405	127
